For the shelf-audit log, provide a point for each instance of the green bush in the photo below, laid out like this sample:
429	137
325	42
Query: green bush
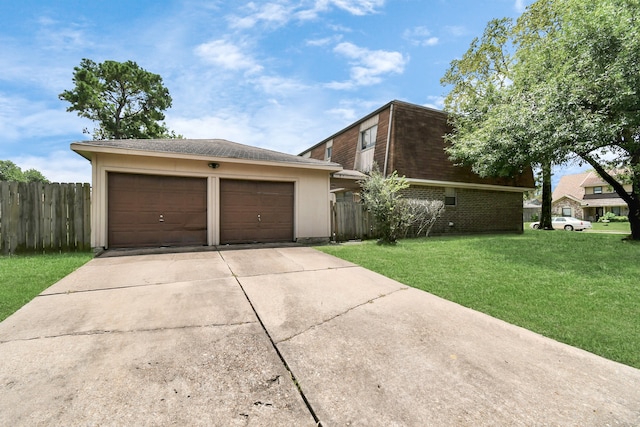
381	196
611	217
620	219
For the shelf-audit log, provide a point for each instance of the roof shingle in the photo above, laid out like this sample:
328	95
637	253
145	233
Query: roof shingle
217	148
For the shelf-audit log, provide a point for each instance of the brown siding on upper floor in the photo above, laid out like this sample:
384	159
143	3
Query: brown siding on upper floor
381	138
418	149
344	147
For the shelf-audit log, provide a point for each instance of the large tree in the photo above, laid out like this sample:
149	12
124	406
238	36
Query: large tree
125	101
572	90
491	131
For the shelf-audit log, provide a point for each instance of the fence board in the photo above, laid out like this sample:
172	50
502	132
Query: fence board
36	217
350	220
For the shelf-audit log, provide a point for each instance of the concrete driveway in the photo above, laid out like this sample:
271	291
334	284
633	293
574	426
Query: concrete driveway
285	336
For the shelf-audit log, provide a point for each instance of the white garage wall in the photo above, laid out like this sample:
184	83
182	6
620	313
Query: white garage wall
311	216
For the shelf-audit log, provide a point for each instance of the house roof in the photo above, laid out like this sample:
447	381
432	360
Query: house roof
594	179
570	185
596	203
209	149
368	116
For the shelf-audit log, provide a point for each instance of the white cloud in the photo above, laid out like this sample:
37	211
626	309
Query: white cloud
436	102
58	166
456	30
232	126
278	13
281	86
22	118
420	36
324	41
368	66
520	6
227	55
355	7
273	14
54	35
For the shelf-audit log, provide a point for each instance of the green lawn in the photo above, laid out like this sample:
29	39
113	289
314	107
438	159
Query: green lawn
22	277
611	227
579	288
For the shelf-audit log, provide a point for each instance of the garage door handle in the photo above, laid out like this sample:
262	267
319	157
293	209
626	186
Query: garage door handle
259	220
161	218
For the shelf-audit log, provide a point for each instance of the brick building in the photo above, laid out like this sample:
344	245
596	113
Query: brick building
408	138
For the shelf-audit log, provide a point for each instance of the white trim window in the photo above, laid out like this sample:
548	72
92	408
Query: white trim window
566	211
368	137
450	198
328	151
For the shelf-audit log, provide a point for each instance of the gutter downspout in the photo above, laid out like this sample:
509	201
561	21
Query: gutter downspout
386	154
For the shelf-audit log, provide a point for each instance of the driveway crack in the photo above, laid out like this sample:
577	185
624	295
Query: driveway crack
275	347
127	331
372	300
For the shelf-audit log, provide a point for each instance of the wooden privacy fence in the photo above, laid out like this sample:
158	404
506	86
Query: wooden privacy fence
350	220
37	217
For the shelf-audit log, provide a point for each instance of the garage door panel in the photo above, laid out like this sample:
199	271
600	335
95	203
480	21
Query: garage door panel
256	211
149	210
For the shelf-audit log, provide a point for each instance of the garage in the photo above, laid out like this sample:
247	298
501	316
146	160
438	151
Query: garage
203	192
256	211
155	210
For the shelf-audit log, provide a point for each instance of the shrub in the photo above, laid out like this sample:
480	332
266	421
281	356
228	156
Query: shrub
394	215
381	197
611	217
423	214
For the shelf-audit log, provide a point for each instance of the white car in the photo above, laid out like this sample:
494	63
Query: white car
565	223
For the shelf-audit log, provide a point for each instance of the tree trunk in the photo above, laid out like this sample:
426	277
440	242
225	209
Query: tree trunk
634	218
545	214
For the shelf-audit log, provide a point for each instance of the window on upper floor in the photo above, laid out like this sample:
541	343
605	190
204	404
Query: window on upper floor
328	151
597	190
368	137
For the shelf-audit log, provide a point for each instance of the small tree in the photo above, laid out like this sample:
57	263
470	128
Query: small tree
423	215
381	196
9	171
126	101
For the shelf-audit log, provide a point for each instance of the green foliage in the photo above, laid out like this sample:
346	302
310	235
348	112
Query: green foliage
381	196
573	74
611	217
125	101
9	171
588	297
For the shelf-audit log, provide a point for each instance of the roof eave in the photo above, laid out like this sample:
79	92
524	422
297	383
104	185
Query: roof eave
86	151
469	185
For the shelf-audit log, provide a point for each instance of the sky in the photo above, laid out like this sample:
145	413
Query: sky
276	74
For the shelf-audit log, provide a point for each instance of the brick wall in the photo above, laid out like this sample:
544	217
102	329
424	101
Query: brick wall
576	207
476	211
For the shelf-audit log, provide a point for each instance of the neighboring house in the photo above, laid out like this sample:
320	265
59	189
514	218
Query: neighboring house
586	196
408	138
186	192
532	210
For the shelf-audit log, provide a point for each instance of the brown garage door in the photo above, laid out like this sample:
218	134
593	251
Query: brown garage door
256	211
149	211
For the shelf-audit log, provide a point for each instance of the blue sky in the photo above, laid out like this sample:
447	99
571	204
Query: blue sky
278	74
